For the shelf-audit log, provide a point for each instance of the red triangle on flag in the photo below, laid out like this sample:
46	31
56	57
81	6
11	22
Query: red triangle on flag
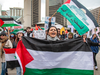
1	22
22	54
67	2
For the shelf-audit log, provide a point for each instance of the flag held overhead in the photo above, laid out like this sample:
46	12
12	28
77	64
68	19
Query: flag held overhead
78	16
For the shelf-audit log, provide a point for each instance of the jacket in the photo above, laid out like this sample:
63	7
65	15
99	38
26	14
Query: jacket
90	43
95	49
6	43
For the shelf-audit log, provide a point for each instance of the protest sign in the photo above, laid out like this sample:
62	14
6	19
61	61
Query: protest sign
47	22
40	34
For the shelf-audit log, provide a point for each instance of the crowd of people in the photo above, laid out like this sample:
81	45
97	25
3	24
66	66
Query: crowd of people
52	34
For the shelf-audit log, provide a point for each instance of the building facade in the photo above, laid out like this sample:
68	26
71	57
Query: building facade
0	8
96	14
51	7
32	12
16	11
35	12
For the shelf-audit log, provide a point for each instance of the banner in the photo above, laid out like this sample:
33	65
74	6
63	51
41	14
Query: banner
42	57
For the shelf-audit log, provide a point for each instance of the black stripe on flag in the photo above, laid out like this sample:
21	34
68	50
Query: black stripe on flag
88	13
13	64
55	46
7	19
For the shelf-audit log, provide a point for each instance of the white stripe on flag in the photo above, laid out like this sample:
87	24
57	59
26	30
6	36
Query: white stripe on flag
10	57
73	60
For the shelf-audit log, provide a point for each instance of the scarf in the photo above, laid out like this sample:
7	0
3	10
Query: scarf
52	39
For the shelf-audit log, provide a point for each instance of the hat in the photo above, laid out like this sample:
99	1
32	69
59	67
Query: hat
20	32
3	33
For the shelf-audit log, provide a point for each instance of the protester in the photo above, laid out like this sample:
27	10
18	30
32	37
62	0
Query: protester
63	36
76	35
28	32
18	38
5	43
95	49
70	35
94	45
33	35
88	41
59	36
52	32
12	37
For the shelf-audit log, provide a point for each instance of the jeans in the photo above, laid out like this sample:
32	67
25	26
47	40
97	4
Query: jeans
94	58
4	69
18	70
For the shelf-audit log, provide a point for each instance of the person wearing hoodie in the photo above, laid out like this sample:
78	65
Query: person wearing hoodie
5	43
95	49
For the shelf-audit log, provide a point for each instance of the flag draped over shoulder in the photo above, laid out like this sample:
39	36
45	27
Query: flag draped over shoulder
11	58
78	16
41	57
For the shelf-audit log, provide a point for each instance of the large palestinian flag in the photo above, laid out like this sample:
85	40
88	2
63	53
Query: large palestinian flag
78	16
41	57
11	58
9	22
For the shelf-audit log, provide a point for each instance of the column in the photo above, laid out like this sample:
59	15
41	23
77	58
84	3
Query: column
47	7
27	13
39	16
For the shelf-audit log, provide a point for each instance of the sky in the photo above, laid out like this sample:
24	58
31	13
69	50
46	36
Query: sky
6	4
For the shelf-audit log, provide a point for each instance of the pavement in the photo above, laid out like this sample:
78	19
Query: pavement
96	72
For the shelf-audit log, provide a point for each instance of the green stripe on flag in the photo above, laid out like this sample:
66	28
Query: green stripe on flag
57	71
73	19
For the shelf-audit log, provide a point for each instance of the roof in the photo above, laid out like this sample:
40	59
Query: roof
14	17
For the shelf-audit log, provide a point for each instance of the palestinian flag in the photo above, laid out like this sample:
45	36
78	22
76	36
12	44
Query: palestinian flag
9	22
41	57
78	16
11	58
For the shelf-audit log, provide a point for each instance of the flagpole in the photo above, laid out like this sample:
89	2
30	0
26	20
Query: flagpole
53	14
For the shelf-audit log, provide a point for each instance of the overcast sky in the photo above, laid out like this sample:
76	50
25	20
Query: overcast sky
90	4
20	3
